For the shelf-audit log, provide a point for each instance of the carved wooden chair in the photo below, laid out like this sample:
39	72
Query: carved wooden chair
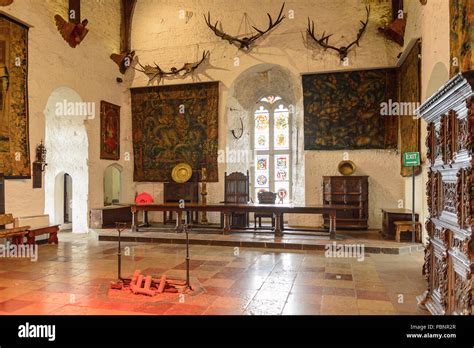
237	190
264	198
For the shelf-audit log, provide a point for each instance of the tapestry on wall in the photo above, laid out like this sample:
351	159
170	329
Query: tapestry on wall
342	110
461	35
109	131
175	124
14	142
409	75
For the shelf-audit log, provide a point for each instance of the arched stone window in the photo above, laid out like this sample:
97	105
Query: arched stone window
112	184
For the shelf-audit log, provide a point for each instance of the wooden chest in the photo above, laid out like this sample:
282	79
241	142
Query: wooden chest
108	216
392	215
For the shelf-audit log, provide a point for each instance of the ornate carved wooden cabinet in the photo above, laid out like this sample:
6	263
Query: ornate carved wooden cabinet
449	251
347	191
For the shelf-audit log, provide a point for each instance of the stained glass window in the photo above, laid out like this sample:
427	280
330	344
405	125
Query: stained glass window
262	129
282	129
272	143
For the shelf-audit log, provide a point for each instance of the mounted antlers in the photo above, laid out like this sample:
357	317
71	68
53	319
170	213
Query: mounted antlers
154	72
246	42
343	50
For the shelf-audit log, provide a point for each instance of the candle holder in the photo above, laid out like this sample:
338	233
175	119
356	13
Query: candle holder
204	220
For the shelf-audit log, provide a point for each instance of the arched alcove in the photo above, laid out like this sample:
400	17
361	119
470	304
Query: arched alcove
246	91
67	144
113	184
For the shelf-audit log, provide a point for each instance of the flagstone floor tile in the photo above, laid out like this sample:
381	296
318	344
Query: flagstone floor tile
73	278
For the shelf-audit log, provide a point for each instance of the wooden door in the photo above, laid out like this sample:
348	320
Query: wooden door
2	194
67	198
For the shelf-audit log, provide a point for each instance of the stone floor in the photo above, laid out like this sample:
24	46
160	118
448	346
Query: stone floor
293	240
74	278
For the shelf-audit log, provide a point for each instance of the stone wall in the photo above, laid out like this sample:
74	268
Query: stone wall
171	33
274	66
86	69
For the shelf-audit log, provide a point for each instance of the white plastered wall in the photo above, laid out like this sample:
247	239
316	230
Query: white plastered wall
67	143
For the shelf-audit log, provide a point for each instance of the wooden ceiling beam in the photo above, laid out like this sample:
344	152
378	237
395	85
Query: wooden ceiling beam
125	57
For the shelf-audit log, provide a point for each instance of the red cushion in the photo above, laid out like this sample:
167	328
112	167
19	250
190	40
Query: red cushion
144	198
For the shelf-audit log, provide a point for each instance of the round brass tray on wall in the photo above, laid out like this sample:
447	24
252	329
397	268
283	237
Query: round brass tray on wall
181	173
346	167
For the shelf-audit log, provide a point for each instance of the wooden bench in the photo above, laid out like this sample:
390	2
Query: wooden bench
37	231
17	233
407	226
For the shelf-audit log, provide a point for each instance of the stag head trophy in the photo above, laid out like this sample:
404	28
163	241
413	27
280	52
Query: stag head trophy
244	43
324	40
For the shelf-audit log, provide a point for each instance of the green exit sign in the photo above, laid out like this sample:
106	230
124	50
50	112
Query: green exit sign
411	159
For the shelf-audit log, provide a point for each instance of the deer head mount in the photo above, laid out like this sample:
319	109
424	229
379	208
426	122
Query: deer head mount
155	72
245	42
343	50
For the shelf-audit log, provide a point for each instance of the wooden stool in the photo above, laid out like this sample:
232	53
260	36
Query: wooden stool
407	226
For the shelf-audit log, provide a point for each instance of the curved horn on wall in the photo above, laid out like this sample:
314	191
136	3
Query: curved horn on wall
5	2
241	130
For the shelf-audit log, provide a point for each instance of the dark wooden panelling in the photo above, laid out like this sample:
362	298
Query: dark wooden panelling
2	194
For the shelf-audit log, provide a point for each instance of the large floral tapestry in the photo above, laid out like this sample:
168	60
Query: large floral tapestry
14	144
461	35
342	110
175	124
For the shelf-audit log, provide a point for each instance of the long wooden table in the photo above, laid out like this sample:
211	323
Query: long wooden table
228	208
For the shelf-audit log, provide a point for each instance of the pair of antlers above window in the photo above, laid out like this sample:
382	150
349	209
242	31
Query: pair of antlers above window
246	42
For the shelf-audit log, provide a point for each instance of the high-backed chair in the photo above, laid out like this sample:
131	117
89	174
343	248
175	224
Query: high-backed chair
265	198
237	190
